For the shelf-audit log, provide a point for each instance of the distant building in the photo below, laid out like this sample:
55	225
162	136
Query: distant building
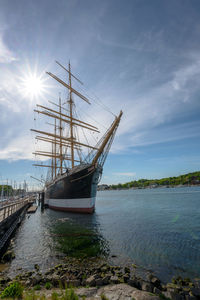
102	187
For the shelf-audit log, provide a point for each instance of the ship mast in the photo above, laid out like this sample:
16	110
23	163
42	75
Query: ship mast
58	140
60	130
55	162
71	115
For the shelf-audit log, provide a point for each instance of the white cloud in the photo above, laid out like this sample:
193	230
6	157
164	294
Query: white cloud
19	148
186	78
142	42
147	116
6	55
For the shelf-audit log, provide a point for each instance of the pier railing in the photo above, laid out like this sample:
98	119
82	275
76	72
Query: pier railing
8	210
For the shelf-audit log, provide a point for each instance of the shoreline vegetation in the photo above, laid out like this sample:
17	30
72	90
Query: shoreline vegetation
93	278
189	179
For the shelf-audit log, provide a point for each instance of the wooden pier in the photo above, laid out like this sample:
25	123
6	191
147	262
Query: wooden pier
11	214
32	209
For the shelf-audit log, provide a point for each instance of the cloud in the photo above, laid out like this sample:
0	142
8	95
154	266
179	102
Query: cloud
142	42
18	149
186	77
151	116
6	55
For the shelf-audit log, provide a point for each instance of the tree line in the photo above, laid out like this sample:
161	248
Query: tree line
187	179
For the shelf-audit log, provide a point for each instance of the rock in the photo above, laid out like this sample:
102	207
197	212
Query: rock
155	281
188	297
96	276
174	280
173	287
106	279
146	286
8	256
58	266
99	282
86	292
186	290
173	295
157	291
197	283
36	266
134	282
4	280
104	269
187	279
83	282
47	278
163	287
127	270
119	274
103	265
50	271
150	276
74	283
180	280
91	281
114	279
126	277
114	269
80	275
27	283
55	279
195	291
64	279
123	292
36	280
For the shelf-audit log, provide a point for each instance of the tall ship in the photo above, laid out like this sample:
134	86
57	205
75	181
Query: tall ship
75	166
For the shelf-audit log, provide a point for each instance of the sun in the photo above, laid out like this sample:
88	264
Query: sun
32	85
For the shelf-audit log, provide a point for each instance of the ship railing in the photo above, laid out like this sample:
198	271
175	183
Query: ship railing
7	210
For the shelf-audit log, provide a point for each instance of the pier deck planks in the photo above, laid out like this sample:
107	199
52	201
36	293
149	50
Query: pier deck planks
32	209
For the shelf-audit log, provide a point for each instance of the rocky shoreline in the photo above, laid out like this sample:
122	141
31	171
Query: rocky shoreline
93	277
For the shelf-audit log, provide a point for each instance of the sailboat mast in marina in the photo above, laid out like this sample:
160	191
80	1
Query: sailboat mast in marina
73	177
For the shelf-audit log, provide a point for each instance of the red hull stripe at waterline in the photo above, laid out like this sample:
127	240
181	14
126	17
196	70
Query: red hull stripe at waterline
86	210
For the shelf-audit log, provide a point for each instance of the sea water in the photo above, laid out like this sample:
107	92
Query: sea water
156	229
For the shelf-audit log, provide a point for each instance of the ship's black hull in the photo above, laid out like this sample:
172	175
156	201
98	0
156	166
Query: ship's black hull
75	191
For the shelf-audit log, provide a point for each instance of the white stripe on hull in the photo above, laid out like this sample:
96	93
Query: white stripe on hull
71	203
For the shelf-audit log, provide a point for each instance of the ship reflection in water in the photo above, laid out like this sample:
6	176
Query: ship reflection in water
75	240
47	238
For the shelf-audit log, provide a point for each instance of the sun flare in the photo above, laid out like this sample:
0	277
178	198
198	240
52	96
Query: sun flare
32	86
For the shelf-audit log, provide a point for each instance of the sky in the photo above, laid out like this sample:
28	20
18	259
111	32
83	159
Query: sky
141	56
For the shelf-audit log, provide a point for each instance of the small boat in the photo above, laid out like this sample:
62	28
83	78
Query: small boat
73	177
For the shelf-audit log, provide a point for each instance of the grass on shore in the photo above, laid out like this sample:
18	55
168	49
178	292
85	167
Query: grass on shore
16	291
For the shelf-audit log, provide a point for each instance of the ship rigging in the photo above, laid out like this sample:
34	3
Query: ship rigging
79	178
